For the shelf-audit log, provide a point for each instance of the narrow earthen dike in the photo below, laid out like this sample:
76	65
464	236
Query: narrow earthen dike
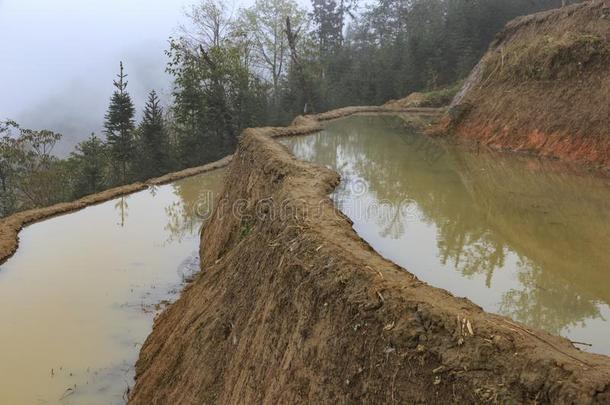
296	308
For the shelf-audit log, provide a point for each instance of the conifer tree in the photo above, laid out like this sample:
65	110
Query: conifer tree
90	159
153	137
119	126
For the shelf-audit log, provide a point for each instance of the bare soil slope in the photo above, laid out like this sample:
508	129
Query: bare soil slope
543	87
292	306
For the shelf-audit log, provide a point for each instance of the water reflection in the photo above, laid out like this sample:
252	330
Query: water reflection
541	293
519	236
78	298
122	207
196	197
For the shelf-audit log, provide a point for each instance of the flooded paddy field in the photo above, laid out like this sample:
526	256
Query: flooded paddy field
519	236
78	298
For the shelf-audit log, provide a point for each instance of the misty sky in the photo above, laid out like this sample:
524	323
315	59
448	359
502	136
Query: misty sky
59	57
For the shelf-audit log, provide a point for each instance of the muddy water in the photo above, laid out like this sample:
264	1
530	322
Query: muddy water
518	236
78	298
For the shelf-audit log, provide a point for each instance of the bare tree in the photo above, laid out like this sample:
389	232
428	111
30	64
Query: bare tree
210	25
264	24
293	37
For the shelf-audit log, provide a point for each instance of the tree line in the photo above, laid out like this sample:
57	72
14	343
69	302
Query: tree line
261	65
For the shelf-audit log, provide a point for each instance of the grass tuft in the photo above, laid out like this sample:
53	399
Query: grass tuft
547	58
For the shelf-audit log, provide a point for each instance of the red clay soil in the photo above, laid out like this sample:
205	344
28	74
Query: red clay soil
11	225
543	88
292	306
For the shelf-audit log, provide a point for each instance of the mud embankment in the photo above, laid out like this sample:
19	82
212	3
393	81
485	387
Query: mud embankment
11	225
292	306
543	88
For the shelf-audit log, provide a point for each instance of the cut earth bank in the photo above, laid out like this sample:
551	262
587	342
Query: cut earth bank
542	88
292	306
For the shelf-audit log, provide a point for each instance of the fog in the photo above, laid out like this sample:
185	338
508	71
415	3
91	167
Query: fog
59	59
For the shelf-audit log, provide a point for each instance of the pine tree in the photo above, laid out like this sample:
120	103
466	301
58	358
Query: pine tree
153	137
119	126
90	159
328	16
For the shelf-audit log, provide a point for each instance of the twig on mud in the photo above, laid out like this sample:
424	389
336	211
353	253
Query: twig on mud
523	330
378	272
389	326
581	343
67	393
469	327
393	387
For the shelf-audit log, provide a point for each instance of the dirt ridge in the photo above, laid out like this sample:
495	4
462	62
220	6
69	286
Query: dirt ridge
292	306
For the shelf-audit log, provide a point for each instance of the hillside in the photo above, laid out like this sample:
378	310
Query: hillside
543	87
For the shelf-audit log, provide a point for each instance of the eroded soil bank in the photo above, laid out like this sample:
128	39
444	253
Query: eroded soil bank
543	87
293	307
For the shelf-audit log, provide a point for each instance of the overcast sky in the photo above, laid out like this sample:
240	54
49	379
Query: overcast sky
59	57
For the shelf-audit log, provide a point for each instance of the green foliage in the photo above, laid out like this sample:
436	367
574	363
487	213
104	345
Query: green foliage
398	47
9	156
29	173
329	17
119	126
441	97
547	58
245	230
215	97
154	154
89	162
263	24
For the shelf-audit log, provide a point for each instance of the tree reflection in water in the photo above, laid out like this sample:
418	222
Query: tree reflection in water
540	231
196	197
122	207
186	213
540	297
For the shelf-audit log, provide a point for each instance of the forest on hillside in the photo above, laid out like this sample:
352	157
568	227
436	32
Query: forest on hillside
259	66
